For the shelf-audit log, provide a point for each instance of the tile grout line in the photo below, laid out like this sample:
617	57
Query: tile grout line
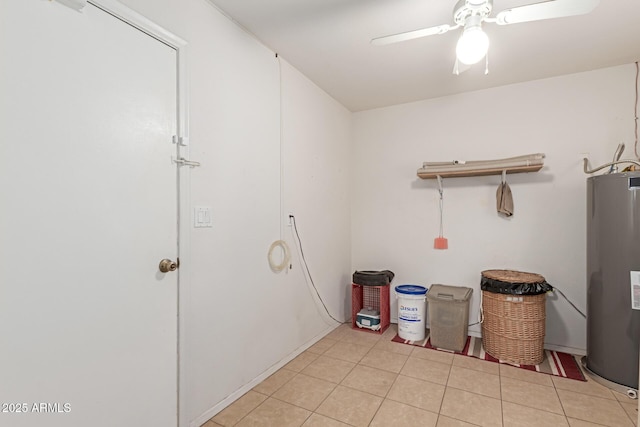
387	393
501	401
555	389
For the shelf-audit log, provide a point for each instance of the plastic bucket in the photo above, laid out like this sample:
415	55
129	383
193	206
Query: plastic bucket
412	305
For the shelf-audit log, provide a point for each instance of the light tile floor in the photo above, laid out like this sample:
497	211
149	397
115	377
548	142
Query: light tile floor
354	378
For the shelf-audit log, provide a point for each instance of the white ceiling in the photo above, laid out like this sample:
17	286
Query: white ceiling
328	41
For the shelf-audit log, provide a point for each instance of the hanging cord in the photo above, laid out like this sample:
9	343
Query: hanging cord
441	191
555	288
286	253
280	142
286	256
480	313
635	115
295	228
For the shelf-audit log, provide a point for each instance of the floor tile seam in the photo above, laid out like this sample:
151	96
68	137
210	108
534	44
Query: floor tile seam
378	368
356	342
345	335
633	421
581	418
450	365
553	413
366	392
477	394
527	381
323	400
281	385
351	388
391	386
347	374
267	396
555	389
536	407
254	409
401	368
594	423
422	379
347	360
444	393
386	351
331	418
334	385
300	407
340	360
610	392
310	349
624	398
414	406
475	370
606	399
457	419
501	405
376	413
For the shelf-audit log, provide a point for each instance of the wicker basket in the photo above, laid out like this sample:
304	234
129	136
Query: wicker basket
513	328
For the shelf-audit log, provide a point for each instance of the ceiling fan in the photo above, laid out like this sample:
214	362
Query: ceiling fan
473	44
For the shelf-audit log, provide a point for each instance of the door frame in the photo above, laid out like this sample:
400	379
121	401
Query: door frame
135	19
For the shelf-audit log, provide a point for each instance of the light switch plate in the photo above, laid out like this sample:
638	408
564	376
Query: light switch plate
202	217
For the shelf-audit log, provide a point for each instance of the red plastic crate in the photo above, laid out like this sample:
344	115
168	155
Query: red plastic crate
376	297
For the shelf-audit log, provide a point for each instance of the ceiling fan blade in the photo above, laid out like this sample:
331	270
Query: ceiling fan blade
395	38
545	10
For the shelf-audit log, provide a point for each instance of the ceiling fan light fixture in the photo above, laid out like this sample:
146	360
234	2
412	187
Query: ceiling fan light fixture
473	44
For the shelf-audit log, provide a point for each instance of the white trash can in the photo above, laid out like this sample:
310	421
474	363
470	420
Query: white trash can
412	305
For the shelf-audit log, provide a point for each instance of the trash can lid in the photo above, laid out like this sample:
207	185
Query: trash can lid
514	282
411	289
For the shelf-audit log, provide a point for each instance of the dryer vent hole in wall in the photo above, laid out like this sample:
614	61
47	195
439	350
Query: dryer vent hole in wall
292	221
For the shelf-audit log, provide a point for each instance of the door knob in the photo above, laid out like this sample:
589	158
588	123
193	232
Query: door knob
166	265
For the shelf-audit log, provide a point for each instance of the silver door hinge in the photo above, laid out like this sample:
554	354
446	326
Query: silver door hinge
183	141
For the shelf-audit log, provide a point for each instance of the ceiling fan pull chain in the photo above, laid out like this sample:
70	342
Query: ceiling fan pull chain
486	64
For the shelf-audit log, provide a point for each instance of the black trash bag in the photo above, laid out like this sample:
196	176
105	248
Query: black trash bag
373	278
500	287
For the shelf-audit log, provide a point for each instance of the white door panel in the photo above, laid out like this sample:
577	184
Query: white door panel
87	111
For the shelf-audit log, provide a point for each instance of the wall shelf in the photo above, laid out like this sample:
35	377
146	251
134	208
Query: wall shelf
455	169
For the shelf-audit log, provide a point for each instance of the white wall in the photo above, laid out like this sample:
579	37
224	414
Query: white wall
395	214
239	317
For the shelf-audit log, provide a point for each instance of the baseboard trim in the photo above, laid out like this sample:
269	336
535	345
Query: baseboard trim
211	412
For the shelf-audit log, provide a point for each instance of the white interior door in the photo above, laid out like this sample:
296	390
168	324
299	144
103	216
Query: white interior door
88	324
